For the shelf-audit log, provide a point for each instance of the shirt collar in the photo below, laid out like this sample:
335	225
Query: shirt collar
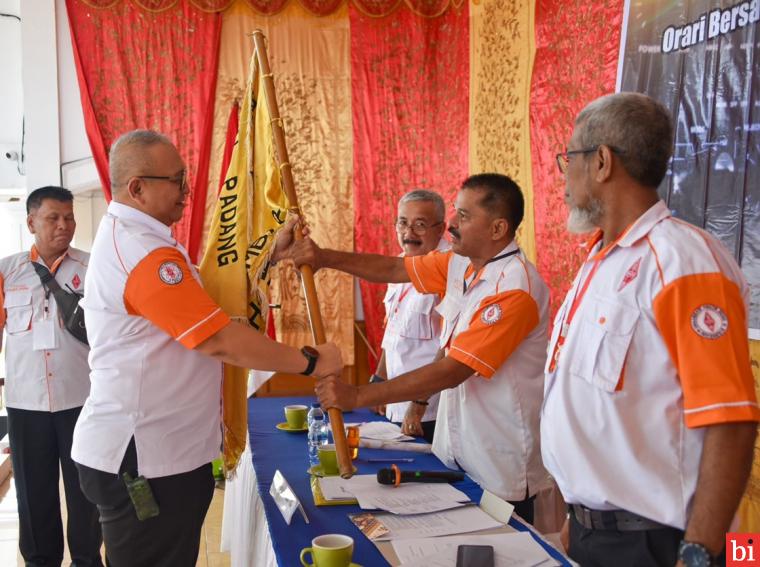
34	256
126	212
639	229
493	269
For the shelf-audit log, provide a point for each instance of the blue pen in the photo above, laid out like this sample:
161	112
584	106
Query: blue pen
399	460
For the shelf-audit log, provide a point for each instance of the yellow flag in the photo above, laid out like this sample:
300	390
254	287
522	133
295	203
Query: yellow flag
235	266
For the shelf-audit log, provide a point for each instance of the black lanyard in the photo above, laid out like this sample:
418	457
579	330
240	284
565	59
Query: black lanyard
494	259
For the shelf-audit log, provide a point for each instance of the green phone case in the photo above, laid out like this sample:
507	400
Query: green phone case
142	496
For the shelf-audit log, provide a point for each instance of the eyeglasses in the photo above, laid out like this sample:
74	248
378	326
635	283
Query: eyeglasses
180	180
563	159
418	227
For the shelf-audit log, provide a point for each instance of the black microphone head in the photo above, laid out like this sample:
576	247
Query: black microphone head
386	476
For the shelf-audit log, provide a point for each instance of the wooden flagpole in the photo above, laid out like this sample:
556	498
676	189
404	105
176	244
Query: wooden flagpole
307	274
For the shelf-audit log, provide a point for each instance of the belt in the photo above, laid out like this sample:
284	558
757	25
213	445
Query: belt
619	520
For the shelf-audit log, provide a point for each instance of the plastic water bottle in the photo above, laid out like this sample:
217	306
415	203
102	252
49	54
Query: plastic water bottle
317	432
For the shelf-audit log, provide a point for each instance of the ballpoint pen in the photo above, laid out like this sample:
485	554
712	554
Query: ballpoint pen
398	460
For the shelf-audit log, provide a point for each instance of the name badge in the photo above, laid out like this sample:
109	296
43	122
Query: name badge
43	334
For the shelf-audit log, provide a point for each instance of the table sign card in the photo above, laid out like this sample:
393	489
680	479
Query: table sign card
285	498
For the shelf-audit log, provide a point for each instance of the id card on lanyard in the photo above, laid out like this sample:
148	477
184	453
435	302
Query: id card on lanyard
43	331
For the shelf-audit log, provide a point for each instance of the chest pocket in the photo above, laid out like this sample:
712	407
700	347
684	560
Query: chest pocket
449	310
603	339
414	319
18	309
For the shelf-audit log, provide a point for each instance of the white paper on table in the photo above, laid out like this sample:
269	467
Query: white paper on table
381	431
516	549
411	498
456	521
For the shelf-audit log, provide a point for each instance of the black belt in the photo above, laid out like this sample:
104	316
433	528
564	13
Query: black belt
619	520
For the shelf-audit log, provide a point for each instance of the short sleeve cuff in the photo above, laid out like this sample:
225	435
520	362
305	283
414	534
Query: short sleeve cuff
722	413
469	359
204	329
411	270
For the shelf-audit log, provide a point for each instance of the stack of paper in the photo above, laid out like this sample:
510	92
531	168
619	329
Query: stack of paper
412	498
457	521
381	431
517	549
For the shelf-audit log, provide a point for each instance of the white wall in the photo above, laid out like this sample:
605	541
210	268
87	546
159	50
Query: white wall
11	94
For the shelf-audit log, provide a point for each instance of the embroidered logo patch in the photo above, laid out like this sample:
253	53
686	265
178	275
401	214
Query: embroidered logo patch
491	315
170	273
709	321
630	274
75	281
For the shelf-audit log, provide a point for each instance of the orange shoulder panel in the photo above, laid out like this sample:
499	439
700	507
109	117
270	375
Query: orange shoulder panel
497	328
429	271
703	322
162	289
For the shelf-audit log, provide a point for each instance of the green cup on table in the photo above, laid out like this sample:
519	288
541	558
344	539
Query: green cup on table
296	416
328	459
330	550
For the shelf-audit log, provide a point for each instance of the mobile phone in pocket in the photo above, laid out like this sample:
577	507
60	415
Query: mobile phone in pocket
142	496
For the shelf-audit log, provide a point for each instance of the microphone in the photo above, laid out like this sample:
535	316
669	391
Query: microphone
394	476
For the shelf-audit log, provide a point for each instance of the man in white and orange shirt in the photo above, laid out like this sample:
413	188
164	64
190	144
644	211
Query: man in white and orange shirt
650	413
47	381
495	316
412	326
157	340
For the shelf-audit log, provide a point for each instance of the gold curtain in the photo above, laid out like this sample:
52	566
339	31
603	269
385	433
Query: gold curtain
501	60
311	66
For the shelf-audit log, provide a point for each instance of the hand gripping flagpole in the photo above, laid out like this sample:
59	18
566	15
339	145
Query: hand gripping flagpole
307	274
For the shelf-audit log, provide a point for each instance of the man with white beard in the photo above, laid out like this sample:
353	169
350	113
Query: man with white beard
649	416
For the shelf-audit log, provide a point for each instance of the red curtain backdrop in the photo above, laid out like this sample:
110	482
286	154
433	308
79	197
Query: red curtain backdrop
139	69
409	82
576	61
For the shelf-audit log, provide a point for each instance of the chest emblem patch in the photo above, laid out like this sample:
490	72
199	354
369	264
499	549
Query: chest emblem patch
709	321
630	274
75	281
170	273
491	314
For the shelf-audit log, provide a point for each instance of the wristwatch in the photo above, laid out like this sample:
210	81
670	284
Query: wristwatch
312	355
693	554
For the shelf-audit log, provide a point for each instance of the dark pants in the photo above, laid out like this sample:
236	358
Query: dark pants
602	548
41	441
170	539
524	508
428	430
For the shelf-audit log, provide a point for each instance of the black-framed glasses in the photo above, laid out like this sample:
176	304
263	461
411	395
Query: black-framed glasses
180	180
418	227
563	159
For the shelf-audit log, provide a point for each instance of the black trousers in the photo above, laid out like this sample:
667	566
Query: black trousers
428	429
524	508
170	539
602	548
41	442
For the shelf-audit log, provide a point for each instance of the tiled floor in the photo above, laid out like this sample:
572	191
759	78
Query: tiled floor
209	555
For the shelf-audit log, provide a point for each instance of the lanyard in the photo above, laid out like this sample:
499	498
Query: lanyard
494	259
404	293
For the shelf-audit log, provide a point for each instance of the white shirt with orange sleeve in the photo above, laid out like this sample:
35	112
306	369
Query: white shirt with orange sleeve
649	347
145	311
495	322
45	366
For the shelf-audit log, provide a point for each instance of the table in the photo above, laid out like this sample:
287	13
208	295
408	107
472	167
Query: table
253	528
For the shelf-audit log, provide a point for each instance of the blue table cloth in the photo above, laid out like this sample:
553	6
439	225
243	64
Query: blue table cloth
273	449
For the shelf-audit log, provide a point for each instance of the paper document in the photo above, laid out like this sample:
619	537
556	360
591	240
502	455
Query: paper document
410	498
381	431
516	549
456	521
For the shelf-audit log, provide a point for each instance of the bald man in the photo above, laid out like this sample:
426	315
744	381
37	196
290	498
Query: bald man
151	427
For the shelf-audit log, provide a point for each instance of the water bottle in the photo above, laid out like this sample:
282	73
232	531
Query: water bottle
317	432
